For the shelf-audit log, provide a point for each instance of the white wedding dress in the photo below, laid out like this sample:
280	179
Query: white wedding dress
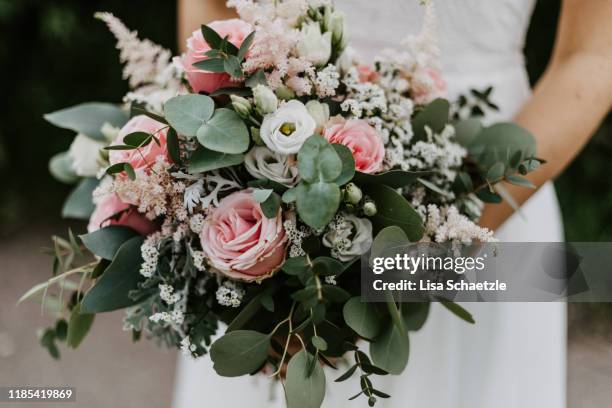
515	354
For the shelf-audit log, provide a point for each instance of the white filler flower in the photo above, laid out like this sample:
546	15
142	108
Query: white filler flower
285	130
85	155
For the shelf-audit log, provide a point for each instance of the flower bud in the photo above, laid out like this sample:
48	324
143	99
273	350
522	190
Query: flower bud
319	112
241	105
369	208
338	29
256	136
265	100
314	45
285	93
352	193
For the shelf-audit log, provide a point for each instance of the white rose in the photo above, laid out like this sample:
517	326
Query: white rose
285	130
314	46
85	155
262	163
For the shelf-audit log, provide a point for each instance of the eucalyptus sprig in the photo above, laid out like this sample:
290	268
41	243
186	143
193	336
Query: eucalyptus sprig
224	57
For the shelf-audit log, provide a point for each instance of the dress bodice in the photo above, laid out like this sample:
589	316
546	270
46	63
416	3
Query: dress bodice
481	41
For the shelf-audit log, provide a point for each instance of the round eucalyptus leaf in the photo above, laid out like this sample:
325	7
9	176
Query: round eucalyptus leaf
305	385
239	352
466	130
225	133
317	203
348	164
362	318
434	116
187	113
390	351
318	161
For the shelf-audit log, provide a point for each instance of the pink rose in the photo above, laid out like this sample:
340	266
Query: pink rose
112	211
367	74
145	156
428	85
204	81
240	241
362	140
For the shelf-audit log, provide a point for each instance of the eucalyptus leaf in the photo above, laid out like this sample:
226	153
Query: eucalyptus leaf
348	164
78	326
271	205
187	113
261	195
268	185
318	203
502	142
390	351
415	314
466	130
88	118
211	65
246	44
239	352
203	160
303	390
106	241
362	318
225	133
318	161
519	181
434	116
212	38
79	204
60	167
458	311
111	291
174	149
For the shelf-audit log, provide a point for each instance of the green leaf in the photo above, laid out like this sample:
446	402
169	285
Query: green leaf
129	170
174	149
246	44
60	167
246	313
502	142
268	185
211	37
488	196
204	160
317	203
466	130
79	204
347	374
78	326
326	266
519	181
296	266
258	78
431	186
211	65
271	205
319	343
414	314
362	318
187	113
318	161
88	118
393	209
61	329
334	293
496	171
261	195
106	241
435	116
348	164
392	178
111	291
303	390
458	311
290	195
137	139
140	109
225	133
267	302
387	241
231	65
390	351
239	352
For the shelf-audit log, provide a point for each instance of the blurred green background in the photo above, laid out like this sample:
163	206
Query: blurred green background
53	54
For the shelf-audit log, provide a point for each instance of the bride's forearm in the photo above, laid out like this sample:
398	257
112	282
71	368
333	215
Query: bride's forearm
570	100
193	13
567	105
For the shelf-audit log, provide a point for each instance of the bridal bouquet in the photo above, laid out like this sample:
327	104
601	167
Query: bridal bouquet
238	185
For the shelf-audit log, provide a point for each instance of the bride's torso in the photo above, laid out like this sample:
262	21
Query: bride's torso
481	41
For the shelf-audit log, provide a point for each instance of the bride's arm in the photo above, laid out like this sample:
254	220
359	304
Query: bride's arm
193	13
571	98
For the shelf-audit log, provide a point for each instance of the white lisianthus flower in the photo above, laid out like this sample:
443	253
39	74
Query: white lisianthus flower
265	100
85	155
348	237
314	46
285	130
262	163
319	112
